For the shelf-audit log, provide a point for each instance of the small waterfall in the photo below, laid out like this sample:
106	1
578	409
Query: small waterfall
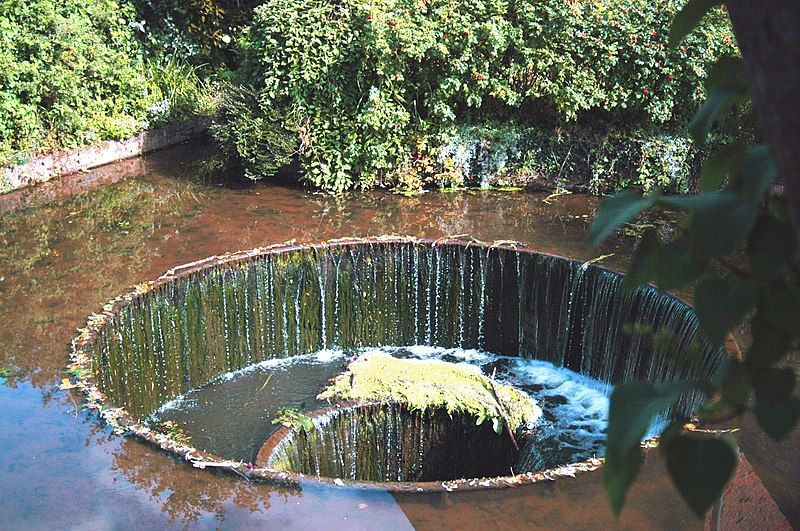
389	443
281	304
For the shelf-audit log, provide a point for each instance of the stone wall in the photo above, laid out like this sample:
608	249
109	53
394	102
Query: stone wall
45	167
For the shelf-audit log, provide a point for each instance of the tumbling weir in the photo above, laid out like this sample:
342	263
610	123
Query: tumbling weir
222	314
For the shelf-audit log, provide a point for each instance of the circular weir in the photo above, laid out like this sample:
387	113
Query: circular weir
210	359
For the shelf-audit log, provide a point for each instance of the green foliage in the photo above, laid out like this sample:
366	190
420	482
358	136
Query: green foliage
73	73
179	91
70	74
266	141
700	468
739	227
196	31
387	81
633	408
294	419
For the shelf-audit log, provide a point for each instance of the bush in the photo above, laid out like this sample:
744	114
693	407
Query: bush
73	73
385	77
70	74
196	31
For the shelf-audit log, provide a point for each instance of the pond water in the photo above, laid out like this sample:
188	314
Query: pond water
67	247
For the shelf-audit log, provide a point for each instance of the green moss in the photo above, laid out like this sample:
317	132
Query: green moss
424	384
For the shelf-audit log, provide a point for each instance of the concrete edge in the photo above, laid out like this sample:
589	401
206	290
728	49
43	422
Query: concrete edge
46	167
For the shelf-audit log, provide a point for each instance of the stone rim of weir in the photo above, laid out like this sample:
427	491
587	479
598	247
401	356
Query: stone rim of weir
81	369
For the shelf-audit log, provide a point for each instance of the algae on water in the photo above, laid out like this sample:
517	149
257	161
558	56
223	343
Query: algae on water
424	384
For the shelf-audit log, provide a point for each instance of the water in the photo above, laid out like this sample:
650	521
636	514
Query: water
75	243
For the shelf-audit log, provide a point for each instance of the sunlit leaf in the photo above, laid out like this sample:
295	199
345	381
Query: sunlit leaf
778	418
700	467
615	211
633	407
722	303
688	18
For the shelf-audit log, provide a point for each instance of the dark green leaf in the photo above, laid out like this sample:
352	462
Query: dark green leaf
688	18
754	174
722	303
633	406
736	384
722	228
779	417
727	71
643	262
677	265
771	383
780	305
700	468
771	245
717	103
719	165
726	86
769	344
618	475
693	203
615	211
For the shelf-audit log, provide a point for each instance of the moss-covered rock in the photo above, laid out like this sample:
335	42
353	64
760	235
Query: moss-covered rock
426	384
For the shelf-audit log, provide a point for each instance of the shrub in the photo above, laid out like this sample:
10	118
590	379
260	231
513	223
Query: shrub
73	73
381	78
70	74
196	31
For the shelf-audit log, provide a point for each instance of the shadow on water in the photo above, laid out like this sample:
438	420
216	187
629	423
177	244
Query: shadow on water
63	255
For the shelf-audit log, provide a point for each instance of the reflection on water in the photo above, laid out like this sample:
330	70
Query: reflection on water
61	260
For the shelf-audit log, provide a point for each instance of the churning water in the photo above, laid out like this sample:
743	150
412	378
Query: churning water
232	415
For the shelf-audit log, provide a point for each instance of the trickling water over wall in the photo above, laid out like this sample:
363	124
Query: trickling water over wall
389	443
303	299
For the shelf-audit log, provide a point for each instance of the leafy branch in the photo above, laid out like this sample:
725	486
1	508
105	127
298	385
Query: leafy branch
736	222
